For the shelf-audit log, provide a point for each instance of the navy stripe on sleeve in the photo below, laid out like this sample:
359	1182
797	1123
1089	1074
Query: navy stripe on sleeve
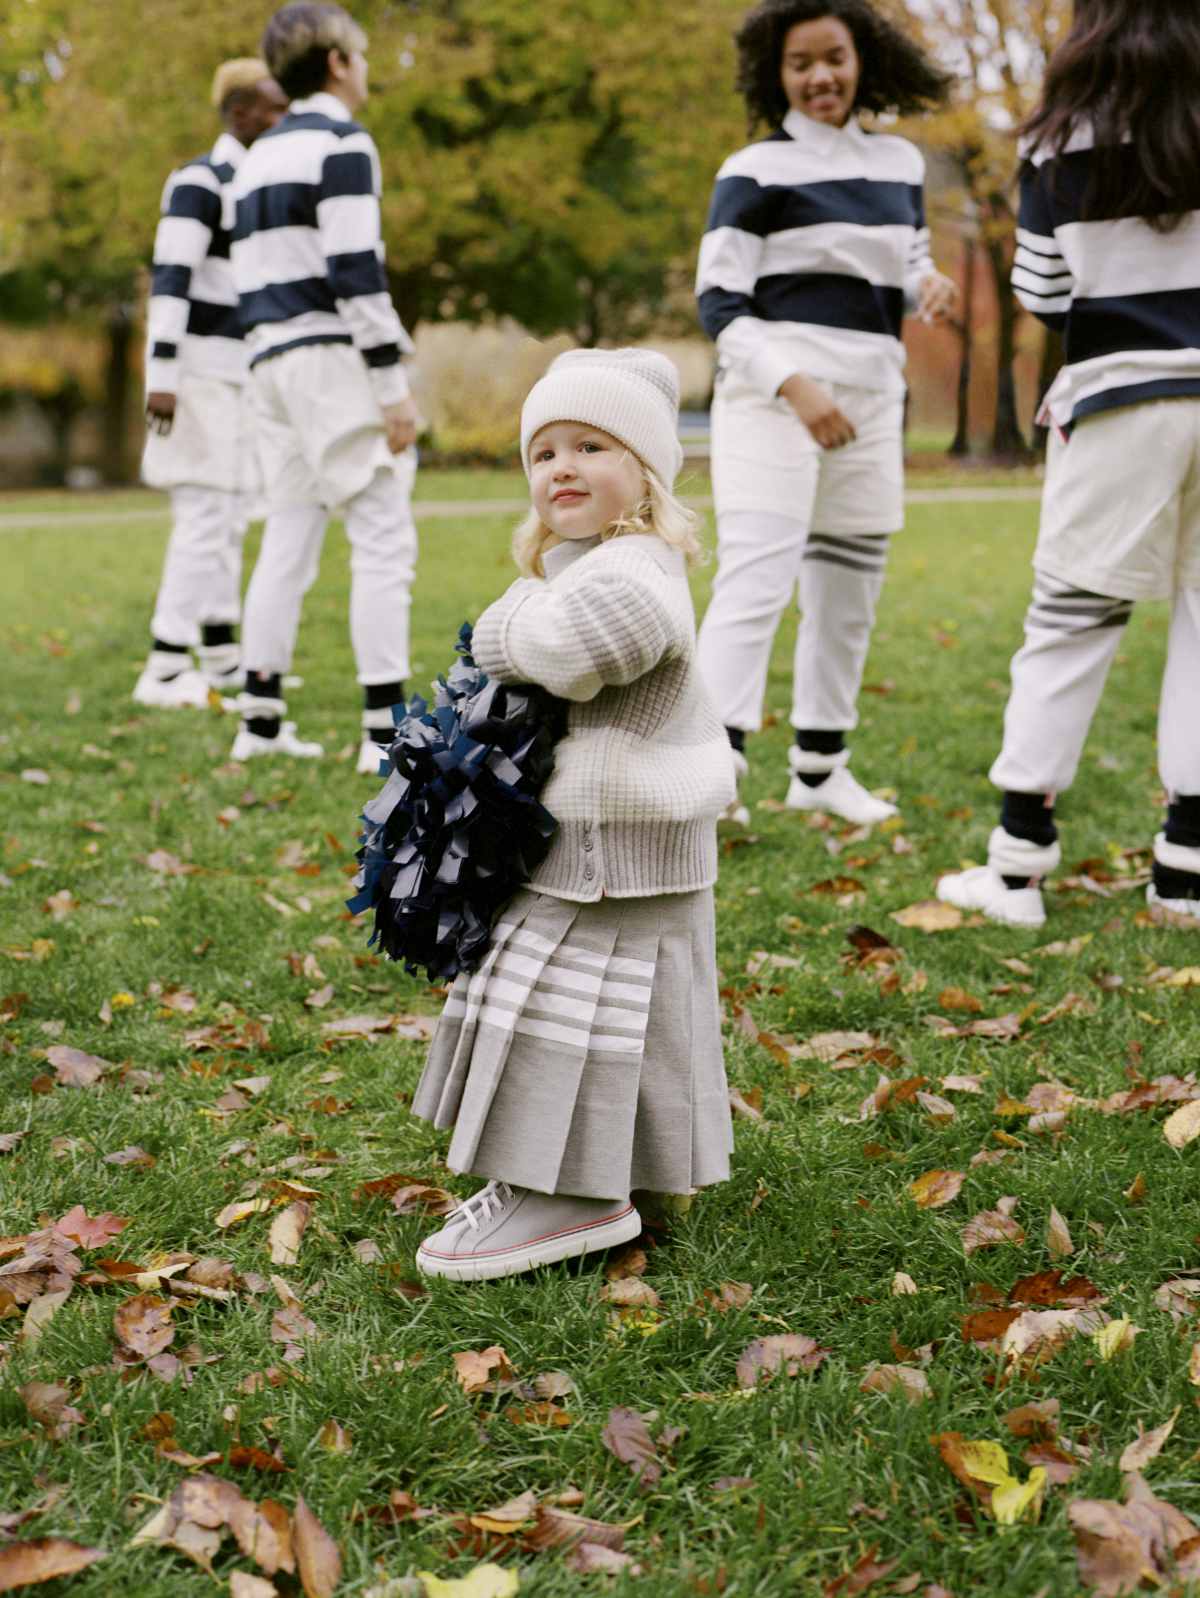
172	280
383	355
280	301
719	307
347	172
198	203
764	208
830	299
358	273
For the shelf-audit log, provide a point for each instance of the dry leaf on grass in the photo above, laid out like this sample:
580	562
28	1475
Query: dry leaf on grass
589	1559
627	1438
474	1369
830	1046
1183	1126
865	1573
936	1188
287	1229
485	1581
630	1292
1144	1540
991	1227
790	1352
1058	1236
1115	1338
903	1285
1148	1445
46	1403
143	1325
317	1558
25	1564
913	1383
133	1155
929	915
982	1467
90	1231
244	1585
40	1312
1039	1419
75	1068
241	1210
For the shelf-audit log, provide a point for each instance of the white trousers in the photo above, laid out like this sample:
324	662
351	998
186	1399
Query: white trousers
1058	675
202	570
383	554
763	561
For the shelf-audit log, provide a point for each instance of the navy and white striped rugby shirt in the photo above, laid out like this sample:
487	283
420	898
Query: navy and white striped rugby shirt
815	246
308	256
193	316
1126	298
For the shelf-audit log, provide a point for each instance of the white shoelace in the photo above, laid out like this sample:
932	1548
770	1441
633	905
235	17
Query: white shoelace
481	1206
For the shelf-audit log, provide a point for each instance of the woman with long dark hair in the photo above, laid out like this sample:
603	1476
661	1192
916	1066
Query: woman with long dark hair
815	246
1109	253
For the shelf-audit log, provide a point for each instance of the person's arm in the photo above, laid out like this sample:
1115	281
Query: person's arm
1041	278
606	630
191	214
929	293
352	242
730	256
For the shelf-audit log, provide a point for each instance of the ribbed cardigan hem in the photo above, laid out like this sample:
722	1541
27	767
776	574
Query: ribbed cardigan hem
629	860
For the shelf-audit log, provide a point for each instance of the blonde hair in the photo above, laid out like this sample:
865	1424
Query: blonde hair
244	73
658	512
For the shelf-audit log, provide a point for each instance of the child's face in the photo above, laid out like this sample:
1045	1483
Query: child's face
820	70
581	479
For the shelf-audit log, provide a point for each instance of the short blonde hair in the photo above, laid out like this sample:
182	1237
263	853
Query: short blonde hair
298	40
245	72
658	512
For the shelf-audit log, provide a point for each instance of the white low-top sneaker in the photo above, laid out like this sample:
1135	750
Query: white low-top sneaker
372	759
1181	910
735	813
982	888
503	1230
250	745
841	794
188	690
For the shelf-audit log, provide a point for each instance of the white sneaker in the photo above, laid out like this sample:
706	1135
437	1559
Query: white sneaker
503	1230
1186	910
1175	857
372	759
249	745
188	690
735	813
841	794
984	889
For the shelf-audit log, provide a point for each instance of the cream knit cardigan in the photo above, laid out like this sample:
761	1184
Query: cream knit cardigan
645	767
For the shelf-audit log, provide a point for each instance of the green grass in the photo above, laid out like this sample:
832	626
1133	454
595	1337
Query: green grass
809	1218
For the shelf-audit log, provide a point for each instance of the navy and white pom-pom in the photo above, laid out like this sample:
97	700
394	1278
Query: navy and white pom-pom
457	828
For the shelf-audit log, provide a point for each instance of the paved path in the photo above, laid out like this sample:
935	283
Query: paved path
443	509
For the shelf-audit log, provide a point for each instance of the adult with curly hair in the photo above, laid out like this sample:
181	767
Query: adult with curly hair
815	246
1108	252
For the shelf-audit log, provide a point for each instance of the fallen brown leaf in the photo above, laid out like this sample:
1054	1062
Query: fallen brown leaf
1148	1445
627	1438
474	1369
25	1564
936	1188
287	1229
143	1325
90	1231
913	1383
75	1068
990	1227
790	1352
317	1558
929	915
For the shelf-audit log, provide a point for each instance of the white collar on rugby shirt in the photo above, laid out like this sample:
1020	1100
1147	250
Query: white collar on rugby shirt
327	104
557	560
228	149
821	136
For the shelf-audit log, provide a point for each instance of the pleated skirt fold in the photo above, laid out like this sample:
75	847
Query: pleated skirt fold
584	1056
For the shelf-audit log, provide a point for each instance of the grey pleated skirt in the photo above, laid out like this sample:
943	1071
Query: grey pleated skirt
584	1056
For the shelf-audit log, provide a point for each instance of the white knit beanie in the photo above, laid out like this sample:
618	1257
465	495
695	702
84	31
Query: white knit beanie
632	394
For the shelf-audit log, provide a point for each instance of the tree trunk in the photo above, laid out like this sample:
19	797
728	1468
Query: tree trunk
1008	442
962	432
1048	368
115	464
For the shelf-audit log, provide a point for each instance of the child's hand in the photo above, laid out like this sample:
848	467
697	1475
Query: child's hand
160	411
939	298
818	410
400	422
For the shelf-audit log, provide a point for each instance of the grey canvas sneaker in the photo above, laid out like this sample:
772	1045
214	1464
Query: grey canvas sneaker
502	1230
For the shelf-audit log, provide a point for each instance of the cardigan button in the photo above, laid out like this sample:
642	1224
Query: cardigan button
588	872
587	841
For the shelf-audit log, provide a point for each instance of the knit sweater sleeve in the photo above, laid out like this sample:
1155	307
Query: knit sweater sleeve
605	629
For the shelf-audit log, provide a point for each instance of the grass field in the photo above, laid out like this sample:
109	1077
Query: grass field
150	890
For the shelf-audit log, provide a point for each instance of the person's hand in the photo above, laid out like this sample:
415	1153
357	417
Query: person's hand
818	410
938	299
400	422
160	411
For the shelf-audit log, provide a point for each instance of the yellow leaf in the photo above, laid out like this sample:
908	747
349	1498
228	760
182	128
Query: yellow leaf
1058	1236
122	1001
241	1211
986	1462
1013	1500
1114	1338
1181	1128
485	1581
1187	976
1194	1365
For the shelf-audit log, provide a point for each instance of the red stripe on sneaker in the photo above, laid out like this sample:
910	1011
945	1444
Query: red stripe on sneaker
546	1237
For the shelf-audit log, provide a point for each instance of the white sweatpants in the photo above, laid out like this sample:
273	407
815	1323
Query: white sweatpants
763	561
1058	675
202	570
383	554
